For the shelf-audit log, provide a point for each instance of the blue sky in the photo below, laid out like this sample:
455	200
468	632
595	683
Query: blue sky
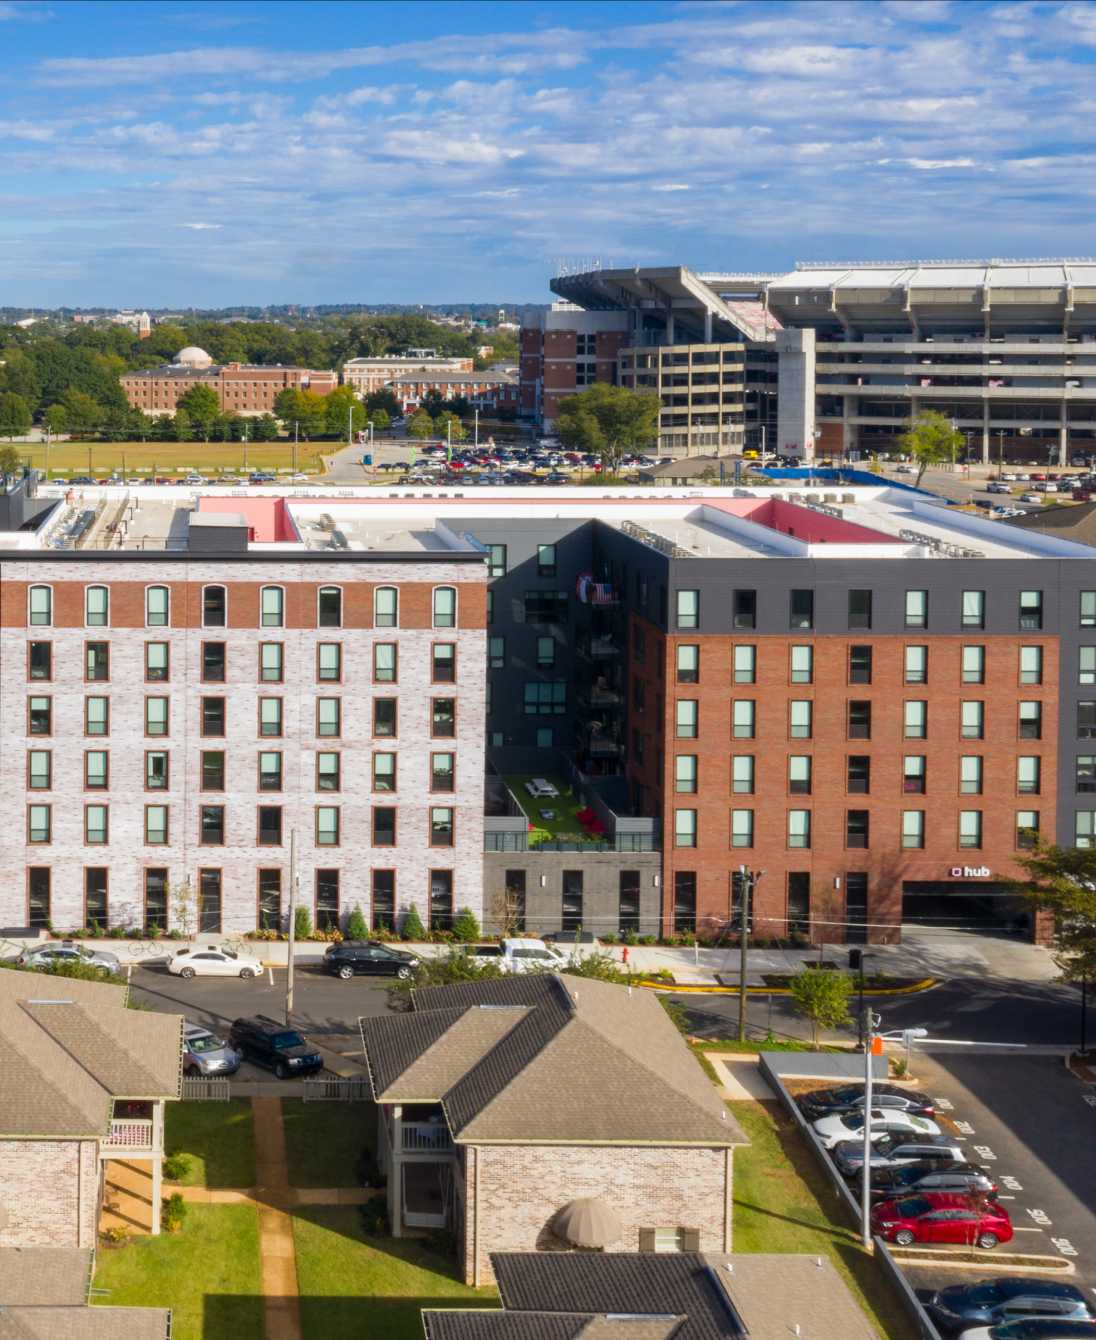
167	153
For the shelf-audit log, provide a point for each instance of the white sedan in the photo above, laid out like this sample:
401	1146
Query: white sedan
850	1125
213	961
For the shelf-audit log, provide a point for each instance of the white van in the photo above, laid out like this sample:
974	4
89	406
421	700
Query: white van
520	955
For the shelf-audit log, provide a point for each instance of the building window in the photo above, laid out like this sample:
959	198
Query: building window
443	663
915	724
40	660
156	908
385	723
270	770
269	826
214	607
742	774
39	823
974	609
688	609
157	770
684	901
685	718
157	607
742	828
1027	829
270	716
271	607
970	828
546	560
384	772
327	826
799	902
270	899
329	607
1031	665
156	827
95	897
96	661
684	828
858	774
327	900
40	770
628	903
442	772
39	910
856	906
917	665
1088	609
445	607
917	609
384	826
328	716
974	665
856	828
211	826
213	769
441	826
214	662
1086	666
546	697
913	774
496	560
802	665
1031	610
96	769
156	716
385	662
96	825
913	828
1085	772
859	610
97	607
970	775
860	665
384	900
801	609
496	653
40	606
328	772
209	902
859	720
972	720
685	773
441	900
213	716
745	664
40	716
800	719
799	828
1031	720
743	713
745	609
1028	775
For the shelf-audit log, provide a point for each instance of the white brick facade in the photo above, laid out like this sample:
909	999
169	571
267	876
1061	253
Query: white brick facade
126	856
49	1193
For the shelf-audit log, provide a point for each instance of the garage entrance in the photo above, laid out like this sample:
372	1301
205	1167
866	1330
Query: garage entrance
970	905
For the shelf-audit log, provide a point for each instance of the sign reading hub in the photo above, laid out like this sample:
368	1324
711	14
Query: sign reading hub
970	872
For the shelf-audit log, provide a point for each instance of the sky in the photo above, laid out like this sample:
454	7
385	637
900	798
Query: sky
168	153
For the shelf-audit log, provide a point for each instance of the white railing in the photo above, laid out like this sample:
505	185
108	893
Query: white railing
131	1133
425	1137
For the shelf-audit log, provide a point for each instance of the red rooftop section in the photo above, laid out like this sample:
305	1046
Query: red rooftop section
801	523
267	519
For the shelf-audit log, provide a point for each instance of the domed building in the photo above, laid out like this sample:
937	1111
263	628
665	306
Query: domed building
192	357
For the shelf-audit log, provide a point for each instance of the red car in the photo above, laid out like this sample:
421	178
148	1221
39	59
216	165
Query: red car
942	1216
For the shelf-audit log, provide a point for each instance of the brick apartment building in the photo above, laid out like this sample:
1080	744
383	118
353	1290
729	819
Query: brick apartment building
486	391
827	687
243	388
366	375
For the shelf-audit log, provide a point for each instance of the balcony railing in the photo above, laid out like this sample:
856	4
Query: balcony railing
425	1137
131	1133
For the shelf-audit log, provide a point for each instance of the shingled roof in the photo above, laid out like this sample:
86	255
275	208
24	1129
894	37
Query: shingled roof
85	1323
533	1059
469	1324
68	1048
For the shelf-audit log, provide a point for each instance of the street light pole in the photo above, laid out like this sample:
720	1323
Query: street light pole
292	925
868	1023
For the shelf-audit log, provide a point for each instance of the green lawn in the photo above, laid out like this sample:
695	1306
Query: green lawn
324	1141
208	1274
353	1285
783	1203
566	805
218	1137
71	458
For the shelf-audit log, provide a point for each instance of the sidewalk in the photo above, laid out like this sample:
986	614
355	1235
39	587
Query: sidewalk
279	1256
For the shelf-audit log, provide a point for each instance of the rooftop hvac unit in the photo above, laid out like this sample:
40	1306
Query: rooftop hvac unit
848	497
339	540
327	521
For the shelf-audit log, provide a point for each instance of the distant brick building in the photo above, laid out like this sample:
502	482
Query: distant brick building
243	388
482	390
366	375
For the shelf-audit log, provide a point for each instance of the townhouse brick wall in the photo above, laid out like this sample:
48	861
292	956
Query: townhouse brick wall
520	1188
126	856
49	1193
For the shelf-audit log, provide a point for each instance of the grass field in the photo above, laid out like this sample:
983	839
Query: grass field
324	1142
102	458
218	1138
565	805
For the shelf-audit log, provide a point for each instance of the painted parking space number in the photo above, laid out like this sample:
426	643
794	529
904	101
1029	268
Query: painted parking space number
941	1104
964	1128
1011	1184
1090	1099
1040	1217
984	1152
1065	1246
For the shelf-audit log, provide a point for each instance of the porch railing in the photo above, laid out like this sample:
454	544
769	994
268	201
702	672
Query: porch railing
131	1133
422	1137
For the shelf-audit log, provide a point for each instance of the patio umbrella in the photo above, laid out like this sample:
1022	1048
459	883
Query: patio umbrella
588	1222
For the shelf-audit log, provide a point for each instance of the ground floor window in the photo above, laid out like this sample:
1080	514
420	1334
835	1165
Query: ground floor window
270	900
209	901
628	903
384	900
572	904
513	917
155	901
39	880
327	900
799	902
95	897
684	901
441	900
856	907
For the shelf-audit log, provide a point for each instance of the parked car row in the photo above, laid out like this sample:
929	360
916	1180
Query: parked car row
192	480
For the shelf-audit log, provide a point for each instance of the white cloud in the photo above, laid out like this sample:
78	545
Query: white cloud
671	186
202	227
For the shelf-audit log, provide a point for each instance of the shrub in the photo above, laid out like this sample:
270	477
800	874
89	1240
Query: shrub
608	939
114	1237
176	1166
823	999
173	1214
302	923
356	928
374	1217
466	927
413	929
456	966
648	940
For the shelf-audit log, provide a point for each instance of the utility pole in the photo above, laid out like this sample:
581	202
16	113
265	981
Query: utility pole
350	426
476	421
47	453
869	1023
746	879
296	425
292	925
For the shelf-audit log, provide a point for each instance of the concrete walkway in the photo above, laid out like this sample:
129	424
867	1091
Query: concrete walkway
281	1301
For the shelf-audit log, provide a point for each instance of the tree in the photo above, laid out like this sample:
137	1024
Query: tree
448	425
930	439
84	413
302	922
343	409
10	460
15	415
203	405
384	399
466	927
1062	880
287	405
311	413
609	421
356	926
380	420
56	419
264	429
822	996
181	429
432	403
421	426
413	929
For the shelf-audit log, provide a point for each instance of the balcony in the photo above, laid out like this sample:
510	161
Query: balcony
132	1135
600	694
599	647
425	1137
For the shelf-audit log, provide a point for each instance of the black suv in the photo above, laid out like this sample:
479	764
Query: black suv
368	957
271	1044
850	1098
